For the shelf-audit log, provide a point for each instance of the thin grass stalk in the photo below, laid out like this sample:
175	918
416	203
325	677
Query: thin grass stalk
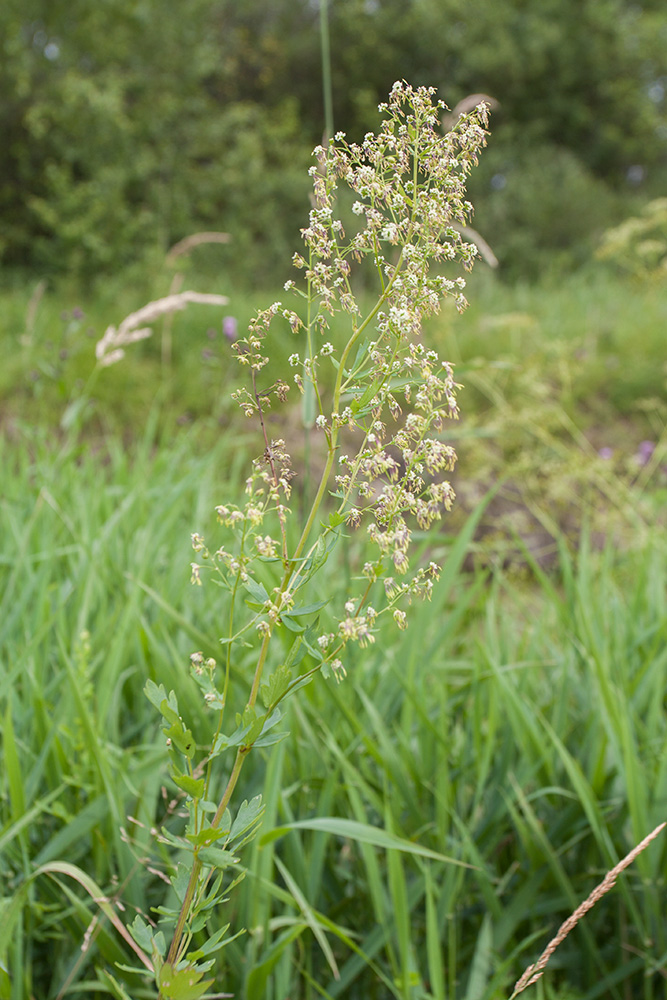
536	970
327	88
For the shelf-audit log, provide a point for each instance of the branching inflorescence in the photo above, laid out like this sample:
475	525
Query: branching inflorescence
392	395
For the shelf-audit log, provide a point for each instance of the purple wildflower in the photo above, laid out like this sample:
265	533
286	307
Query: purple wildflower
229	328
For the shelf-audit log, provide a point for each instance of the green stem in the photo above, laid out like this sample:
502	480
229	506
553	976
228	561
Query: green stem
259	669
324	479
172	956
326	68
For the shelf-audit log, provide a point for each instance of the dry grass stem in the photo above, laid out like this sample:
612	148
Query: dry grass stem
467	105
110	348
470	234
31	311
534	972
184	246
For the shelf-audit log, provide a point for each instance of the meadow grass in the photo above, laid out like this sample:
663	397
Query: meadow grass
435	816
517	728
592	343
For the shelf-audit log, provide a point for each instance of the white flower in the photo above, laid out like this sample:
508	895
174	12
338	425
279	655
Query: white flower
401	619
266	546
254	515
338	669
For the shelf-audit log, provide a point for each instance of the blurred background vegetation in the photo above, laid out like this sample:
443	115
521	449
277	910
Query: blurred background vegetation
519	724
129	125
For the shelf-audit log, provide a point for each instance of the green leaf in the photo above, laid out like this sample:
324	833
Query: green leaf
218	941
216	857
359	403
5	983
309	916
360	357
165	911
268	722
209	835
276	685
293	626
270	739
299	683
194	787
182	984
180	879
308	404
361	832
99	899
169	714
296	652
234	638
223	742
173	840
482	962
182	738
436	968
141	933
249	814
208	807
159	944
213	944
314	650
76	829
12	767
317	558
157	694
255	730
257	591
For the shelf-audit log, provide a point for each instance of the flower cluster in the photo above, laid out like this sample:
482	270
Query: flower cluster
410	180
392	395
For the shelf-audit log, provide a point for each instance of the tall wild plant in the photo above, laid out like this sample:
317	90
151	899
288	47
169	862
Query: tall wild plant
392	396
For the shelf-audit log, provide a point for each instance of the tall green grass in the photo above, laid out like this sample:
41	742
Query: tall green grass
593	344
430	821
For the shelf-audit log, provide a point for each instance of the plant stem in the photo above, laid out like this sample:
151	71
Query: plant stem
172	956
326	68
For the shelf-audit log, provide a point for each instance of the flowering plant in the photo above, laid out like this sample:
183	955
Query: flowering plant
409	182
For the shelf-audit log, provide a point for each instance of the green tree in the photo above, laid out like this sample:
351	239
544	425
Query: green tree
129	126
121	141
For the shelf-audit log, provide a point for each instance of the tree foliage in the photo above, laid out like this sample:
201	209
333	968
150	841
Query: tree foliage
128	125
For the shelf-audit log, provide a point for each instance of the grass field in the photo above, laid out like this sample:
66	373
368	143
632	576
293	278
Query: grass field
497	758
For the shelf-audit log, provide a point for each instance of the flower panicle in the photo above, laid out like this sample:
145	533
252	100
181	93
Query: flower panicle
408	182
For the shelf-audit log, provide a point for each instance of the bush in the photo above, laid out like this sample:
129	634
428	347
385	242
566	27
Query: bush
541	208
